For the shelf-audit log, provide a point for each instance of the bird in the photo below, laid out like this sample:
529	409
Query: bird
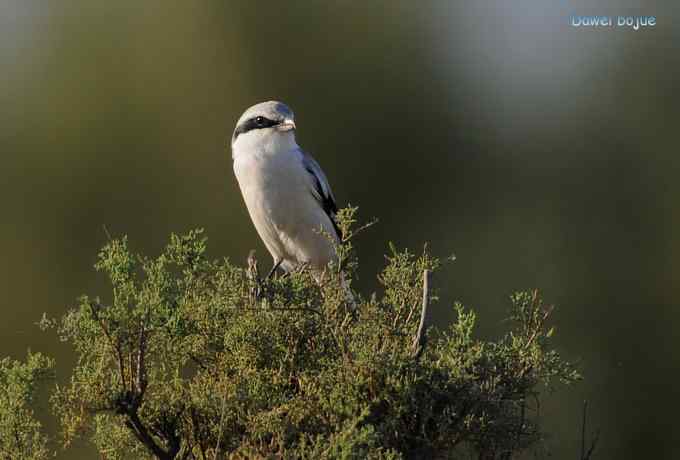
287	194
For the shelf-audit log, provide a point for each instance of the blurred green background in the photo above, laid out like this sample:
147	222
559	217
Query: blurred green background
541	154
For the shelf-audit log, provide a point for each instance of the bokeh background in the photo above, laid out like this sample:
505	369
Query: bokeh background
541	154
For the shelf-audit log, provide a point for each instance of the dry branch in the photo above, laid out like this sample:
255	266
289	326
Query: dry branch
419	339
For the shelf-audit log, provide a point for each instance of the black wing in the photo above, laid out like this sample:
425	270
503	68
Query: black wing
321	190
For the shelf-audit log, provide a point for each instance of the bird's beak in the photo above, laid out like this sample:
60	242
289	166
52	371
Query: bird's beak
287	125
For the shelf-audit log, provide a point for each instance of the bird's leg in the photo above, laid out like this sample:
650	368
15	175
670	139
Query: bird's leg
277	263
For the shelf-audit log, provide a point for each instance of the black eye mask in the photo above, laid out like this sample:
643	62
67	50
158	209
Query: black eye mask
258	122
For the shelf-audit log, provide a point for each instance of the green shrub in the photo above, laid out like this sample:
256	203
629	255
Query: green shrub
20	433
198	359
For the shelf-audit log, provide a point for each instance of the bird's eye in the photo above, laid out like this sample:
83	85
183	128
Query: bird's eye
259	120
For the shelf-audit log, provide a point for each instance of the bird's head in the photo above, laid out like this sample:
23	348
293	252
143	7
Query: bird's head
263	125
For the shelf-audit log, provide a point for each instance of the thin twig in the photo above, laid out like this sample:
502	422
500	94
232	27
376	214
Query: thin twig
410	313
398	315
583	429
367	225
585	455
106	232
141	381
593	444
419	339
115	345
539	327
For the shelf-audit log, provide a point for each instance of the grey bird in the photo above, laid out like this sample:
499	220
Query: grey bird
287	194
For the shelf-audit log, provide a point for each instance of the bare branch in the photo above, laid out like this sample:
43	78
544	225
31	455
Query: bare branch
253	275
583	429
141	432
141	381
586	455
115	345
419	340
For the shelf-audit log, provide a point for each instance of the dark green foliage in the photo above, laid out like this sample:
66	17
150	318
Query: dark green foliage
185	361
20	434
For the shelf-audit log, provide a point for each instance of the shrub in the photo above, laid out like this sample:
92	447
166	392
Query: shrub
192	358
20	433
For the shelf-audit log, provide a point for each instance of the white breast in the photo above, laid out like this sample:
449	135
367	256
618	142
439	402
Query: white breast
277	192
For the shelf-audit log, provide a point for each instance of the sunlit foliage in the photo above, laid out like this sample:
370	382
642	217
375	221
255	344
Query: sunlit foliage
20	433
198	359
